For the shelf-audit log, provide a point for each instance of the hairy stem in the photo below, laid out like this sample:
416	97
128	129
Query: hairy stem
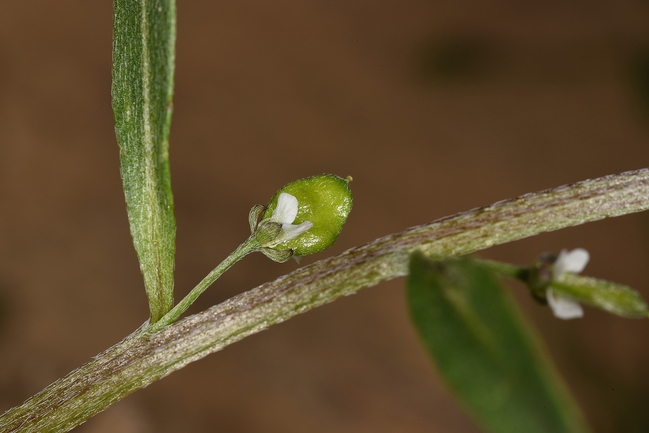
146	356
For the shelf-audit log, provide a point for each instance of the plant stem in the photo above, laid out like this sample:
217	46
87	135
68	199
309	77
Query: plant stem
505	269
145	357
249	246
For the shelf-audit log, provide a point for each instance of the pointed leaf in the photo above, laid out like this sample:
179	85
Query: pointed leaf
143	69
484	351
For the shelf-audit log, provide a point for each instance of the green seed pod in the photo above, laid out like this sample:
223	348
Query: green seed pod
323	200
612	297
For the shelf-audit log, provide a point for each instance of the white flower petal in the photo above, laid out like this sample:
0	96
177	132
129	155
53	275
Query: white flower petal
286	209
290	231
563	307
574	262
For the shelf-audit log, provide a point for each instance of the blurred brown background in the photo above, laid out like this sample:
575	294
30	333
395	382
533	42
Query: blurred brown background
433	107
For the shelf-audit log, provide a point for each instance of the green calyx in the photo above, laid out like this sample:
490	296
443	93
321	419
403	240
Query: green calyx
325	200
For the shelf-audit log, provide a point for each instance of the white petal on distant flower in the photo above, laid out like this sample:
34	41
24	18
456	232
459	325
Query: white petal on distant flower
563	307
290	231
574	262
286	209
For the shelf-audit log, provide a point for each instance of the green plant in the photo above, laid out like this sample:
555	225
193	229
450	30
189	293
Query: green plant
143	76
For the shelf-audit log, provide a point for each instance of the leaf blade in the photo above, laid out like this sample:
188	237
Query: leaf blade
483	350
142	91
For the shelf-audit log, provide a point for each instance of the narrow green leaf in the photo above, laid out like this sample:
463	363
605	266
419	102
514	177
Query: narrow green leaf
143	68
484	350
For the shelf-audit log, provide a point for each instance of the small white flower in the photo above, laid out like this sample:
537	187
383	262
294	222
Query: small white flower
284	214
574	262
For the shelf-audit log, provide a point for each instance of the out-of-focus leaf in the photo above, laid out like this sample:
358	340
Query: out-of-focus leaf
484	350
144	37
